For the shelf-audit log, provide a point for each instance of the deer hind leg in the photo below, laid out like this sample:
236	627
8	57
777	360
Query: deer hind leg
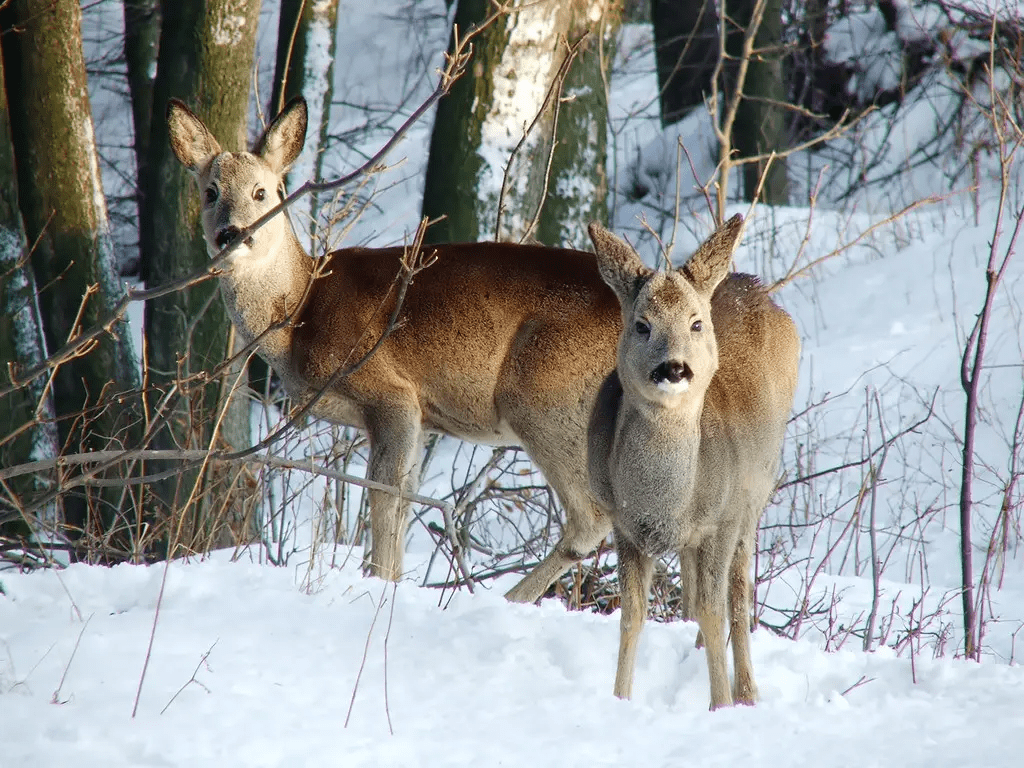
396	445
714	556
744	689
635	569
585	527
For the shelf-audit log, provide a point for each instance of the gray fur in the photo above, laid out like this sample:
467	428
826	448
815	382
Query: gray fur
688	462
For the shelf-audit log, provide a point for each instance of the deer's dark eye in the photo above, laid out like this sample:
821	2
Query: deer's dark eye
259	195
697	326
642	328
211	195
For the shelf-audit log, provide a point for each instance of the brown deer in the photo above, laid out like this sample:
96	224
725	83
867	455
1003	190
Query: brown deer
496	343
685	437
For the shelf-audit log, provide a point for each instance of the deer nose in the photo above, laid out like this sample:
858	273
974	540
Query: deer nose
227	235
672	372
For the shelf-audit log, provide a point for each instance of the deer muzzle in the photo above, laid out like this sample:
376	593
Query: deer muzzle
228	235
672	375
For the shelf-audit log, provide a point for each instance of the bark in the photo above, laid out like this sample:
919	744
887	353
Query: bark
206	55
27	429
760	125
481	123
686	51
63	207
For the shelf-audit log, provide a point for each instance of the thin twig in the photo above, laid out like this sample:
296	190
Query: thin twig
366	651
191	680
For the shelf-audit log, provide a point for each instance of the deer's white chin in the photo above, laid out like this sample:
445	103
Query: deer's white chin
673	388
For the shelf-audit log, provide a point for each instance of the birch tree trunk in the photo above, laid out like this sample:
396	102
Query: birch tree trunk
61	199
206	55
509	105
27	429
306	42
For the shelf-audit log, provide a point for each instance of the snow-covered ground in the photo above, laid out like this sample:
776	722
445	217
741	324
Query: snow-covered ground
247	670
312	664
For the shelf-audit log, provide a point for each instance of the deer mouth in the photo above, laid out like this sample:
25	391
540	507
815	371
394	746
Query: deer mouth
228	235
672	376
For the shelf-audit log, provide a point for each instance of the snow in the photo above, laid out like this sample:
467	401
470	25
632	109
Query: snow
863	38
258	665
229	24
474	682
28	338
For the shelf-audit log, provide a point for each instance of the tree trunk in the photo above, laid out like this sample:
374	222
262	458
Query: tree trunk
141	44
760	125
27	429
306	42
206	55
62	203
507	91
686	51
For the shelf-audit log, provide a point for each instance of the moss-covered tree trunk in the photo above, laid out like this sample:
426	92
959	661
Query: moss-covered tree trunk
206	57
481	123
760	125
61	199
27	429
686	51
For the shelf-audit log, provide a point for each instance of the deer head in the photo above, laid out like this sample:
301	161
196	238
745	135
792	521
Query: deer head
667	352
237	188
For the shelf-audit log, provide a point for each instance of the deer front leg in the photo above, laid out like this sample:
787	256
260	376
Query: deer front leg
396	443
713	559
688	579
744	689
635	570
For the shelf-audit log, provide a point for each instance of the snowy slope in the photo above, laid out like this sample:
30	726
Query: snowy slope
479	683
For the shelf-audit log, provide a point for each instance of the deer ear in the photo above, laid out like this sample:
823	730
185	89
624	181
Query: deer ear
710	263
618	263
282	142
191	141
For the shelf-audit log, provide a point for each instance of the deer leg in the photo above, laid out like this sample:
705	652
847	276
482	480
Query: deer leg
585	527
713	558
396	443
688	581
744	689
635	570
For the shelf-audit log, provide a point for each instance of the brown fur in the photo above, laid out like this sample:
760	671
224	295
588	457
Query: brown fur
497	343
685	436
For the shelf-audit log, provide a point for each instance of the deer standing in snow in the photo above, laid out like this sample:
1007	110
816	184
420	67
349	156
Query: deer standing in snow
495	343
685	436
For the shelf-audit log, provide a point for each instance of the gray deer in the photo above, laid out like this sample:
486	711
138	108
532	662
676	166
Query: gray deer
685	436
496	343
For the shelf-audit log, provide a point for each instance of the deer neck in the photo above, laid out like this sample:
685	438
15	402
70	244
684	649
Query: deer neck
263	288
655	462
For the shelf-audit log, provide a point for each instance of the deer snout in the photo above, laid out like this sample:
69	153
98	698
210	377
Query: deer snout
227	235
672	372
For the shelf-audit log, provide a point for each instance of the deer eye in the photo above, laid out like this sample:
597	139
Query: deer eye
211	194
259	195
697	326
642	328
